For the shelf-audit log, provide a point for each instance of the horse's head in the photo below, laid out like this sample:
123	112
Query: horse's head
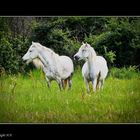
84	52
31	54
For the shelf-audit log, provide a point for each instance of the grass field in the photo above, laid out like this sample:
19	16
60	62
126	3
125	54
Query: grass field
27	99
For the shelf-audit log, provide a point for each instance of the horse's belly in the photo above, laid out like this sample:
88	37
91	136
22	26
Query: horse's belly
66	68
65	75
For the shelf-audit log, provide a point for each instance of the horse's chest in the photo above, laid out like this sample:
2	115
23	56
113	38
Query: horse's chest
90	76
93	71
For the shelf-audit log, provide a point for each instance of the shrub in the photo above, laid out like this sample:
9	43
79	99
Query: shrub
12	50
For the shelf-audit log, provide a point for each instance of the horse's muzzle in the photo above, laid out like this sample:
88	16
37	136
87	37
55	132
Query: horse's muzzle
23	59
76	57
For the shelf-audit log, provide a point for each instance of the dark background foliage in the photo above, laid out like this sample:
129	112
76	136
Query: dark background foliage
115	38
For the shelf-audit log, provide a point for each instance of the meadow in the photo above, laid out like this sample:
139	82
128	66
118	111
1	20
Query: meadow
27	99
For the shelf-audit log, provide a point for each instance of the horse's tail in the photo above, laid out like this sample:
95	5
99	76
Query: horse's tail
99	75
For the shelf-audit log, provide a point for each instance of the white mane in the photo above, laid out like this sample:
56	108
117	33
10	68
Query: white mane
46	49
93	53
51	59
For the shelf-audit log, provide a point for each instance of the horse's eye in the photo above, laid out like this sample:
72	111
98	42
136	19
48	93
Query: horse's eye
30	51
83	50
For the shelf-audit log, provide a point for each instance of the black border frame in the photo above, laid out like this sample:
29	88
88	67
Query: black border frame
70	131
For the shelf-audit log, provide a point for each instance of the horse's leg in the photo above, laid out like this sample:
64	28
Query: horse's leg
62	83
102	83
94	83
70	83
59	81
87	84
48	82
99	84
65	83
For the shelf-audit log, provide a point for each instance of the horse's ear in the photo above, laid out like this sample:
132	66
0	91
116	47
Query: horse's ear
32	42
83	43
86	44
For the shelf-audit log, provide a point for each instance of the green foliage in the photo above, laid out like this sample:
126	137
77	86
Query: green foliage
110	56
121	39
98	42
12	50
115	38
7	56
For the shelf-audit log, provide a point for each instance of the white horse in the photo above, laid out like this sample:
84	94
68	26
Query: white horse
95	68
55	67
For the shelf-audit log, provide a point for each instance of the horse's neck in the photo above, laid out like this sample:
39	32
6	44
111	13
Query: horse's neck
48	61
92	59
45	63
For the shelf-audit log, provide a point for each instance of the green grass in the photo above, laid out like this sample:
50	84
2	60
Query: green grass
27	99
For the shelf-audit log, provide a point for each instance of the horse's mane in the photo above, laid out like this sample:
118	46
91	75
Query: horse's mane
47	49
93	51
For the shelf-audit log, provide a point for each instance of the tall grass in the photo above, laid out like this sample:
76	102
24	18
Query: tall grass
27	99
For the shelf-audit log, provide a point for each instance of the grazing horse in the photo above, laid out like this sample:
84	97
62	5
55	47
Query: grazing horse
95	68
55	67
